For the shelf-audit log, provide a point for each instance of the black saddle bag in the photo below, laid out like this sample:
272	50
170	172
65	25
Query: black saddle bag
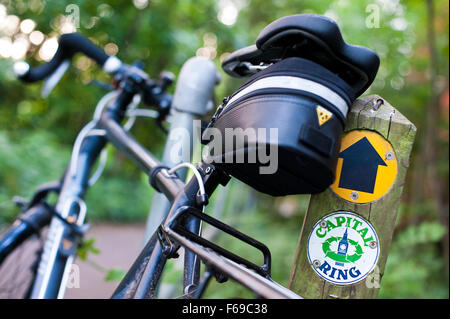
280	131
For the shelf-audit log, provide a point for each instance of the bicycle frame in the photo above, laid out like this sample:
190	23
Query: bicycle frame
142	279
192	99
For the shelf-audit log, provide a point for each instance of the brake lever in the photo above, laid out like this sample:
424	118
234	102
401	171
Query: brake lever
51	81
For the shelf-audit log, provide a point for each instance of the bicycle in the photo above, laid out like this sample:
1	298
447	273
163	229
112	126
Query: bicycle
299	62
179	117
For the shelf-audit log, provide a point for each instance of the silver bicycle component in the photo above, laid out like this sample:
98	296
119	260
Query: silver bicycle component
195	86
112	64
192	99
21	68
201	185
54	78
101	167
52	245
264	287
80	220
189	288
142	113
196	173
56	228
193	93
132	106
108	97
89	130
254	68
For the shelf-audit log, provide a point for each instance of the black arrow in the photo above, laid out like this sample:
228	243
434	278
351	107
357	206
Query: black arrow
360	167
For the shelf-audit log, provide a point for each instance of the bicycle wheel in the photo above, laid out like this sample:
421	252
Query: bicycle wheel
18	270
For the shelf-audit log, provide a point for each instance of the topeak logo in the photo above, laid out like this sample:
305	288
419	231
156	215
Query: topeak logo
343	248
323	115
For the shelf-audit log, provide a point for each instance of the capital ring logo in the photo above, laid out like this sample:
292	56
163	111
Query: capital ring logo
343	248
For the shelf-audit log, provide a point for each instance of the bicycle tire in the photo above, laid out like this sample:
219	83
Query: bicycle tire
18	270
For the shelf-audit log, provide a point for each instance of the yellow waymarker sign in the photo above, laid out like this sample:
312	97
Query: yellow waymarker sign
366	168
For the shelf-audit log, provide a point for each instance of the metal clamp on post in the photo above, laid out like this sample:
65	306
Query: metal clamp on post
75	227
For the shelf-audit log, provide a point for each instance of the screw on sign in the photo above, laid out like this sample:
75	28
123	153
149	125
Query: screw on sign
367	167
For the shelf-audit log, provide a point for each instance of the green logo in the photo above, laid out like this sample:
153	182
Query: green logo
343	248
326	247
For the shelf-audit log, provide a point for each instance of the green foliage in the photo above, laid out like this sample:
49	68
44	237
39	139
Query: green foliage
37	157
26	162
115	275
119	198
415	268
87	247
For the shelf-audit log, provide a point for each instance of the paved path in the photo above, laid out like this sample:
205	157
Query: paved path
119	245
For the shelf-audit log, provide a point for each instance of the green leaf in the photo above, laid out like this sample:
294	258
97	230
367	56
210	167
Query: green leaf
86	247
115	274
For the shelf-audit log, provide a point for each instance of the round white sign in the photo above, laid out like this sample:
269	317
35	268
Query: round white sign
343	248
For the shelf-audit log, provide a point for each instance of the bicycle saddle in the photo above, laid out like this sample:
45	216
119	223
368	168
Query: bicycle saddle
312	37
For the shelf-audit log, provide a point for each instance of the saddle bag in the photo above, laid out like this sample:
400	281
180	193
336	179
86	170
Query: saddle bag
280	131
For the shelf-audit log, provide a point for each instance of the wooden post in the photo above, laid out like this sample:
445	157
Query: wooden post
377	205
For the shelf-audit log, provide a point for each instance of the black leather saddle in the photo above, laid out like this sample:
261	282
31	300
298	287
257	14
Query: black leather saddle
313	37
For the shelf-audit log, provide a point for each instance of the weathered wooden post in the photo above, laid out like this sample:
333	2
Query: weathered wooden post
347	230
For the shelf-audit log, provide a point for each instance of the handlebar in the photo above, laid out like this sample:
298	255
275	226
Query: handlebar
69	45
153	92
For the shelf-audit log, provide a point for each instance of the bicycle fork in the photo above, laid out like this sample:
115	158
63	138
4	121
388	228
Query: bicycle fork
64	232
